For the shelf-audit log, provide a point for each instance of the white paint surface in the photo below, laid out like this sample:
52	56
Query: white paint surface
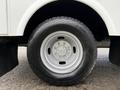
20	11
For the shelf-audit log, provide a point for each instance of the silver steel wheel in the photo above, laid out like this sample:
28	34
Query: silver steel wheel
61	52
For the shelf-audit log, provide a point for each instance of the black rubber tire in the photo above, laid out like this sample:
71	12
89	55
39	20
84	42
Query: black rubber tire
114	55
8	57
81	32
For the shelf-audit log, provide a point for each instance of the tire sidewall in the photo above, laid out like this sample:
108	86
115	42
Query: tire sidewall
77	29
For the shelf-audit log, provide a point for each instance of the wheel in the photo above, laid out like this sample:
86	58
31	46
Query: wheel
114	56
8	56
62	51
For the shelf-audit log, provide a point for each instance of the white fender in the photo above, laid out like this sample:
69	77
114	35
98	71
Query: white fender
91	3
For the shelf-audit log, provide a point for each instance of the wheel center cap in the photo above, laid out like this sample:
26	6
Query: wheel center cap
61	49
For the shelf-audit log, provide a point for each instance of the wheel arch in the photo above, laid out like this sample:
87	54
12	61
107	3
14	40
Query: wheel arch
91	3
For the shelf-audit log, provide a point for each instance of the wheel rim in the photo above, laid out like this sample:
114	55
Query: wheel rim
61	52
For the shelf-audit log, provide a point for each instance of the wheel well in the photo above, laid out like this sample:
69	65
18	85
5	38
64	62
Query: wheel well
72	9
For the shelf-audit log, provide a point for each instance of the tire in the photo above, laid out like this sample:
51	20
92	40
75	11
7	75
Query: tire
114	56
83	55
8	57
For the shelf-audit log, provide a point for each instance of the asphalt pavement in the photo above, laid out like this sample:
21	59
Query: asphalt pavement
105	76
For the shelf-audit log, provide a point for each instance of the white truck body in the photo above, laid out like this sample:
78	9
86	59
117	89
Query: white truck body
15	14
3	17
61	36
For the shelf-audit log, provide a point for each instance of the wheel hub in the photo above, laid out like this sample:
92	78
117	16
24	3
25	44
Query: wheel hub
61	50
